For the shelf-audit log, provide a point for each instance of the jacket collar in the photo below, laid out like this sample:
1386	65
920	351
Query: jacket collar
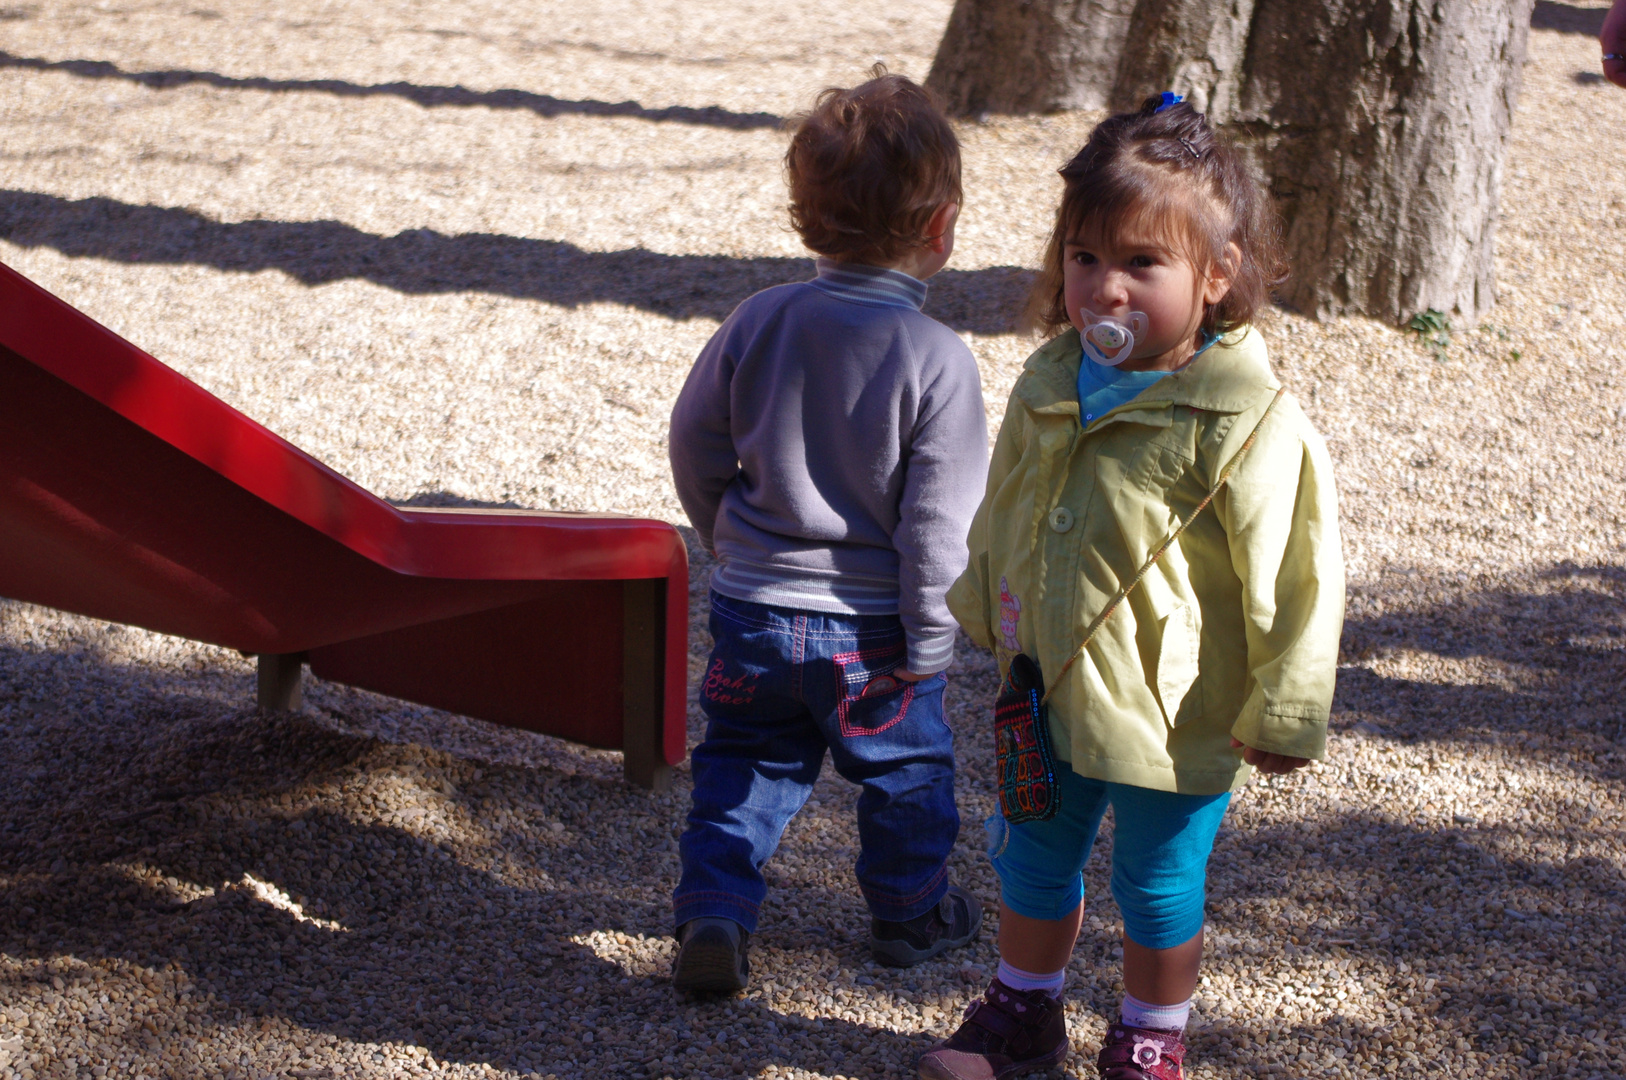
1228	378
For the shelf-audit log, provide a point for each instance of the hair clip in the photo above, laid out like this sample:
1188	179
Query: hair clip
1185	143
1170	99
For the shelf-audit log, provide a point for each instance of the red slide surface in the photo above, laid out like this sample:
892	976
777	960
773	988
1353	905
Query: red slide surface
131	494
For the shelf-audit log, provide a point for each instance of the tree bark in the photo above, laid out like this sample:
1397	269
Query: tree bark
1024	56
1381	126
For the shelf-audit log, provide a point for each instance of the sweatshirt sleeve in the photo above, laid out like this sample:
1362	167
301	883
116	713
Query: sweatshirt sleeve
947	464
701	443
969	598
1280	510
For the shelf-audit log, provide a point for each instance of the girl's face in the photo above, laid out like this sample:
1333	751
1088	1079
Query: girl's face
1139	272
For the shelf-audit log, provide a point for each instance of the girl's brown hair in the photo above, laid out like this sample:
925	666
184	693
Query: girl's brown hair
1164	168
867	167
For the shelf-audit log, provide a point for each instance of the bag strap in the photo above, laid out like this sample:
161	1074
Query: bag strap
1225	474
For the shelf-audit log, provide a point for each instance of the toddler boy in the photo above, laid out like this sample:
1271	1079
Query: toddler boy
830	449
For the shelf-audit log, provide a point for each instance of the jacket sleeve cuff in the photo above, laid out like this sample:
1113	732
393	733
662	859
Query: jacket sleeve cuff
1286	729
929	655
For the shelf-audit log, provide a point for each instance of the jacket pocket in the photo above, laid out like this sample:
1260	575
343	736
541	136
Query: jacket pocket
872	698
1177	689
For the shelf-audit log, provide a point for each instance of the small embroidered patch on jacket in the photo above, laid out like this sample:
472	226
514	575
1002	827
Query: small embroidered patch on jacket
1010	613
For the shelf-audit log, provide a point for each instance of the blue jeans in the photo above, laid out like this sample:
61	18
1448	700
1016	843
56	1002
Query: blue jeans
781	687
1160	847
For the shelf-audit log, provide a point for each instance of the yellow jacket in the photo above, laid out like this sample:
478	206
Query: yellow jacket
1235	630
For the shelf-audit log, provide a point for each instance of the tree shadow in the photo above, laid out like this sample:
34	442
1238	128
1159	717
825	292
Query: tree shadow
1472	907
489	944
423	261
540	949
1567	18
429	97
1551	649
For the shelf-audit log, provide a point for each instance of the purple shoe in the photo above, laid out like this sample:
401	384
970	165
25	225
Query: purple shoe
1132	1053
1005	1033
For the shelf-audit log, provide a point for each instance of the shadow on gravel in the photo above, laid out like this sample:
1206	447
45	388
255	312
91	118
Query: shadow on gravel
1441	885
428	96
1525	948
423	261
395	937
510	945
1567	18
1563	637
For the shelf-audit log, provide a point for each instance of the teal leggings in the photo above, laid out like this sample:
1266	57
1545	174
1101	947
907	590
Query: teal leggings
1160	847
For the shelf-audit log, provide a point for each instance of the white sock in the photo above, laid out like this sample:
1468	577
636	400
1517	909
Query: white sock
1138	1013
1017	979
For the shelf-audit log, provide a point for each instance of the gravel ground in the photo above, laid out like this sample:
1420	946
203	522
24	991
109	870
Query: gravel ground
465	252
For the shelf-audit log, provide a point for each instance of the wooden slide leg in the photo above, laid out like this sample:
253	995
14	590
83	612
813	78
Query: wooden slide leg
643	608
281	679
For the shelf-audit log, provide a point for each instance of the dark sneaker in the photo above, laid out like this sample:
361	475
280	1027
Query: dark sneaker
1132	1053
711	957
1005	1033
955	921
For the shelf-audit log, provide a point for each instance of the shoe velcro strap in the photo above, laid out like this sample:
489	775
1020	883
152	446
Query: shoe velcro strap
1131	1053
1002	1021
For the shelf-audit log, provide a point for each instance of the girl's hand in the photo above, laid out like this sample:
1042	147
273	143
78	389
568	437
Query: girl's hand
908	676
1274	764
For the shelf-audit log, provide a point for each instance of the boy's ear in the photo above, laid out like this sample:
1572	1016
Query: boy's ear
1222	274
939	224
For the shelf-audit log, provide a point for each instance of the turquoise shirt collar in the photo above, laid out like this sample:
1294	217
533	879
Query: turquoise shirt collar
1102	389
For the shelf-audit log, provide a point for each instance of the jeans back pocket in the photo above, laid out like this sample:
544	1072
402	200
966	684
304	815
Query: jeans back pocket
872	698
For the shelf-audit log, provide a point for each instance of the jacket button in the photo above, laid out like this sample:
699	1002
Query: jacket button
1061	519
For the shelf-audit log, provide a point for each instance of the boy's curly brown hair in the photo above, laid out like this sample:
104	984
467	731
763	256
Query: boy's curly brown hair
868	166
1163	170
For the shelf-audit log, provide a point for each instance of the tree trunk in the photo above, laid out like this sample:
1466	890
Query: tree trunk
1024	56
1381	125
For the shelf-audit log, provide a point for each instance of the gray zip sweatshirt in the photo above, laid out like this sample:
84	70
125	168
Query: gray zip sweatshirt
830	448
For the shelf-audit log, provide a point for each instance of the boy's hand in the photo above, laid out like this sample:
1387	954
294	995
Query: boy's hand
1274	764
908	676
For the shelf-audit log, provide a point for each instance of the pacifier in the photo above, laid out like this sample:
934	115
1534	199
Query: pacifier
1107	340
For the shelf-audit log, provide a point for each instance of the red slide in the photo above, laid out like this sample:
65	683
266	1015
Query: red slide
131	494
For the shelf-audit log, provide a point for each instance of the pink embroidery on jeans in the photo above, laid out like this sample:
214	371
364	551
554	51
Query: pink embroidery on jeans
725	691
881	684
867	675
1010	613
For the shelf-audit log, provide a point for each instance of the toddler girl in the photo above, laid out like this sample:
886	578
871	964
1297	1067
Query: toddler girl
1147	450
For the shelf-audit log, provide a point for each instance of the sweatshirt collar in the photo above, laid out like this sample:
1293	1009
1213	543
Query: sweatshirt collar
1228	378
874	285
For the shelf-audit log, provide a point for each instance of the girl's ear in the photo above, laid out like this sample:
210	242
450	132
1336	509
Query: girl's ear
1221	275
